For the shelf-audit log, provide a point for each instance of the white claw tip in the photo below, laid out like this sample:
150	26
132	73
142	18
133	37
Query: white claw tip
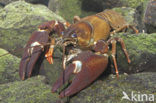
78	66
40	30
56	23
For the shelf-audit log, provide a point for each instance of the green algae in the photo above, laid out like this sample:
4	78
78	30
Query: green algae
110	89
127	13
20	13
133	3
141	49
9	65
33	90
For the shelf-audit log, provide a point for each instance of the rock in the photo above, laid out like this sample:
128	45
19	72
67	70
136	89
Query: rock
110	90
33	90
53	71
18	21
139	16
68	9
132	3
135	16
1	6
44	2
6	2
128	14
142	52
9	65
150	17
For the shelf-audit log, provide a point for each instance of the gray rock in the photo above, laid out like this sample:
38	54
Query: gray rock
44	2
150	17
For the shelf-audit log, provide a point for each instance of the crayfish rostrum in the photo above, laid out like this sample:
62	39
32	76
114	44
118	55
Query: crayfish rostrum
87	40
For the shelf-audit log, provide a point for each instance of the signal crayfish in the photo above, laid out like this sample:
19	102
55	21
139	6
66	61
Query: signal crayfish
85	46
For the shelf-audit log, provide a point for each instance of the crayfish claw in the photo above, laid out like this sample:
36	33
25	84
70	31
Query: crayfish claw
87	66
63	78
33	54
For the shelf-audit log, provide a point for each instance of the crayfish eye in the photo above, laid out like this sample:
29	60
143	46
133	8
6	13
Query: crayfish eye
74	35
62	33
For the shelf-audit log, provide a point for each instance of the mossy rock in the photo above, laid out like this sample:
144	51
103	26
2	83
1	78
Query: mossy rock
110	90
9	65
53	71
69	8
6	2
133	3
18	21
128	14
142	52
33	90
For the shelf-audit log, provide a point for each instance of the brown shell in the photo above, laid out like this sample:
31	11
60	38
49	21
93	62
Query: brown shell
114	19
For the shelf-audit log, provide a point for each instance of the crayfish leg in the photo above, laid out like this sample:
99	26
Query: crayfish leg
49	54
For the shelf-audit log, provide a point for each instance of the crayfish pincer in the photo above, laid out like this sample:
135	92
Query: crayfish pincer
85	46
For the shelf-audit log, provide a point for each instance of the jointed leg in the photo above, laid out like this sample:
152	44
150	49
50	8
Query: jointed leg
134	29
49	53
124	27
122	45
113	42
124	48
119	29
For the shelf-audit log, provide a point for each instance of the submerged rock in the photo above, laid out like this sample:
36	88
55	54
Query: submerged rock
108	89
150	17
18	21
6	2
9	65
128	14
33	90
142	51
68	9
133	3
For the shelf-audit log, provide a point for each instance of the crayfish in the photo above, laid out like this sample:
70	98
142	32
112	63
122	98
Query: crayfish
87	39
